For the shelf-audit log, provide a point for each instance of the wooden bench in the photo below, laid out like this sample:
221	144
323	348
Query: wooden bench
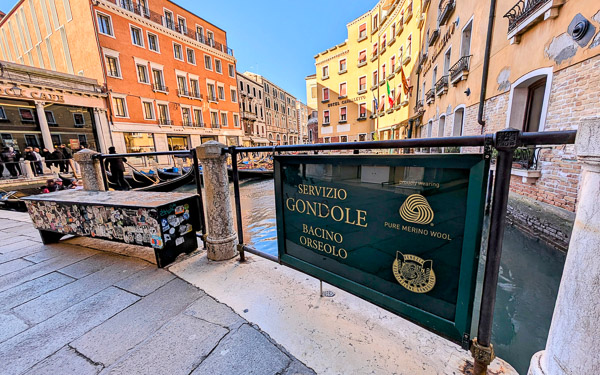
167	222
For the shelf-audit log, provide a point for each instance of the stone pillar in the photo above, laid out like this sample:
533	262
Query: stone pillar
26	168
221	239
575	333
100	128
41	114
91	172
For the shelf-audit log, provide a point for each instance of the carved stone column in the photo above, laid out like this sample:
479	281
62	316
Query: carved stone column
91	172
575	333
41	114
221	239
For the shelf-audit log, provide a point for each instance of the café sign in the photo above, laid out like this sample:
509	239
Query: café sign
402	232
27	94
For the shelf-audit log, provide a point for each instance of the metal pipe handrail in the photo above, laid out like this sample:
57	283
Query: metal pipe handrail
141	154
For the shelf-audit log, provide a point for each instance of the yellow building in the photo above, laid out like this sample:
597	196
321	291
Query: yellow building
360	94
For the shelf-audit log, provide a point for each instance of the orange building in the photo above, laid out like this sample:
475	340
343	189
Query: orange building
168	74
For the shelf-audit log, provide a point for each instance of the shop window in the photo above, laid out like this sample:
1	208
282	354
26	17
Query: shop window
78	120
26	115
362	137
177	143
139	142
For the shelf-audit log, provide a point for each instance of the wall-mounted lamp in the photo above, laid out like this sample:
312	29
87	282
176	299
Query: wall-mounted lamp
468	91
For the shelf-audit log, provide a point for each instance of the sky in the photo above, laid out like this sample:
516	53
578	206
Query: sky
277	39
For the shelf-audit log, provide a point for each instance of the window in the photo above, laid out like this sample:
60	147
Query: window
325	117
441	125
325	72
218	66
3	114
112	67
465	44
153	42
168	20
362	57
178	51
210	36
50	117
447	61
362	31
231	71
197	117
104	24
457	131
223	118
375	78
393	30
182	25
342	65
375	21
325	94
26	115
221	91
383	41
157	75
56	139
148	110
191	56
327	139
142	73
212	96
138	142
383	72
375	49
182	85
392	64
207	62
343	93
163	114
194	88
343	114
236	120
186	116
233	95
136	36
120	107
78	119
82	139
200	34
362	110
214	119
409	46
31	140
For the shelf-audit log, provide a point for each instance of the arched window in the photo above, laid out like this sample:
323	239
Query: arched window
459	119
441	126
529	97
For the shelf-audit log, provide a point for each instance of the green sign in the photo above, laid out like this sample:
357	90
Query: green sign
402	232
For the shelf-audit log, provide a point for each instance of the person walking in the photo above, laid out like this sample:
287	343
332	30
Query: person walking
58	158
116	167
8	157
39	167
31	159
68	157
47	155
18	156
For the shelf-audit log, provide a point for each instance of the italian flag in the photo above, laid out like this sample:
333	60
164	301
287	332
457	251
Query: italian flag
390	99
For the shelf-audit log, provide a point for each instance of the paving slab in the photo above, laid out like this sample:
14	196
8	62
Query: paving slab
66	361
23	253
32	289
244	351
51	303
46	252
7	223
177	348
25	229
23	351
12	239
297	368
14	265
146	281
10	325
209	309
71	256
24	242
115	337
96	263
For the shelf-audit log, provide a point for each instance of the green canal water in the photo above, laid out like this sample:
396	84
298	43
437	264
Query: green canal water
529	276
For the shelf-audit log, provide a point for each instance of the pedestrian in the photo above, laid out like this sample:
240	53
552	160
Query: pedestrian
8	157
51	186
116	167
1	168
31	159
68	157
18	158
47	155
39	167
59	159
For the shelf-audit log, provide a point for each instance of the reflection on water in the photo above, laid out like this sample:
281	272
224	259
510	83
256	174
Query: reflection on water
530	274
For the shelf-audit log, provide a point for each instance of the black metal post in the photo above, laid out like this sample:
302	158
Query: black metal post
505	141
238	205
198	178
103	169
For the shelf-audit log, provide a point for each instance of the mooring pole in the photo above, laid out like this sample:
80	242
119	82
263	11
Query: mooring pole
505	141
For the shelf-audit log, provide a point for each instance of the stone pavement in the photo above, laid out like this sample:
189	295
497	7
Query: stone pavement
70	309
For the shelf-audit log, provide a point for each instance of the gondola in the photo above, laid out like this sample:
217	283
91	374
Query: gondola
171	184
11	200
166	174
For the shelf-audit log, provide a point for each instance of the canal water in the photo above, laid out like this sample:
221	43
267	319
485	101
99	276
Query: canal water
529	276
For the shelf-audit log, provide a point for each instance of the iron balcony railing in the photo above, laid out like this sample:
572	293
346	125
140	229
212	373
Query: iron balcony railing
158	18
521	10
433	37
461	66
446	9
441	86
419	105
160	87
215	125
527	157
195	95
212	98
164	121
430	96
183	92
197	124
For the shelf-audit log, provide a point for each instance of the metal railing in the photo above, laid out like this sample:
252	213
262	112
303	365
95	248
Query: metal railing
160	87
164	121
441	86
433	37
461	66
521	10
446	9
430	96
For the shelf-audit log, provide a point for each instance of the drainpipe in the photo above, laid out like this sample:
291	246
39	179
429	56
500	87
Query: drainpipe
486	62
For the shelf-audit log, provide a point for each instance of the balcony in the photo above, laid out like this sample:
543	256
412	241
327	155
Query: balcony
406	59
362	37
430	96
164	121
446	9
362	63
525	14
248	116
212	98
400	27
441	86
460	70
362	117
197	124
433	37
183	92
195	95
159	87
419	106
158	18
215	125
409	13
421	20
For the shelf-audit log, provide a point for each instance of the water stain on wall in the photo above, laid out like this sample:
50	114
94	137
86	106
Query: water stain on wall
503	80
561	48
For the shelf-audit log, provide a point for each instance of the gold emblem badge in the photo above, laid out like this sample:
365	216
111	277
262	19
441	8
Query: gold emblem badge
416	209
414	273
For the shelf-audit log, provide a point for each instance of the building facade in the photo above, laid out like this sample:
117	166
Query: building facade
252	111
302	112
169	75
280	112
360	90
312	126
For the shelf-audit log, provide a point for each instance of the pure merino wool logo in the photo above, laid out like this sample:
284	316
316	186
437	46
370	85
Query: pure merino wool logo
417	210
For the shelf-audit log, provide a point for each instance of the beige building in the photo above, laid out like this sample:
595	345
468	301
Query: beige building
280	112
302	112
312	126
252	111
